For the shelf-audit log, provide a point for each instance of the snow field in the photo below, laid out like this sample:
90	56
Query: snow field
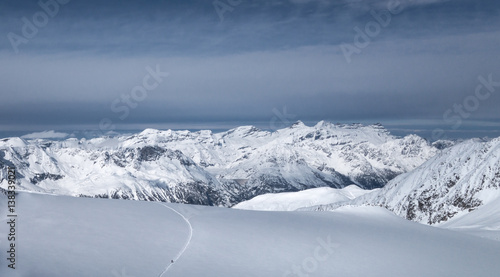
65	236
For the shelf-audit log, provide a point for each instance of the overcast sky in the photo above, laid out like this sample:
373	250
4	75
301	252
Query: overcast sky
413	66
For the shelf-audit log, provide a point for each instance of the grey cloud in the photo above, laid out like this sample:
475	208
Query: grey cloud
263	56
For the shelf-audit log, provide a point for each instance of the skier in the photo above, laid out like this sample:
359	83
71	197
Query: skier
172	261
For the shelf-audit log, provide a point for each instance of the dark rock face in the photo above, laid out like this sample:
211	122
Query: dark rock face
150	153
45	176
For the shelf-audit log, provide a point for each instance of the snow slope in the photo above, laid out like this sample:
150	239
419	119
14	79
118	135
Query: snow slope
482	222
65	236
219	169
291	201
455	182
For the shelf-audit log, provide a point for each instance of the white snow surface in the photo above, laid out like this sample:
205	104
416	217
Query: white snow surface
291	201
60	236
482	222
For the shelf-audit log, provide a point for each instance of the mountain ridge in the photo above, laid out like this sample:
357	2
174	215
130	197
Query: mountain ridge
215	168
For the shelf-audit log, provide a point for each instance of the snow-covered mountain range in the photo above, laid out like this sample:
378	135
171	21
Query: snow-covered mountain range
214	168
455	182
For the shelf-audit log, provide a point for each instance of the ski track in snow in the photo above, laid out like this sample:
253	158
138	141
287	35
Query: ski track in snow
187	241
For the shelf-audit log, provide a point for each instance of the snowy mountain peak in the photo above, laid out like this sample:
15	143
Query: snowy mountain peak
244	131
322	124
297	124
150	132
12	142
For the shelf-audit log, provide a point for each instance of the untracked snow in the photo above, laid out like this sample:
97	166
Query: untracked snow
60	236
291	201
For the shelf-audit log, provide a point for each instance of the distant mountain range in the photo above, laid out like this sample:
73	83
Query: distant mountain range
220	169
